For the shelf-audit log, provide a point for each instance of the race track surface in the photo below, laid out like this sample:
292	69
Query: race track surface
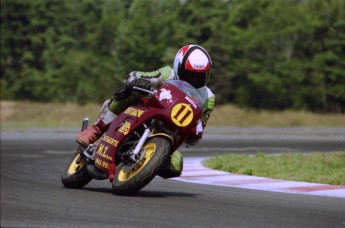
32	194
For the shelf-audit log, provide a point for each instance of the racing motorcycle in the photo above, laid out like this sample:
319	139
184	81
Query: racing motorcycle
139	142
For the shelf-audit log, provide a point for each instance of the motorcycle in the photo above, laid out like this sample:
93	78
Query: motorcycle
139	142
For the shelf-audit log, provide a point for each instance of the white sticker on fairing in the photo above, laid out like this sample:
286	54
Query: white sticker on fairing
165	94
199	128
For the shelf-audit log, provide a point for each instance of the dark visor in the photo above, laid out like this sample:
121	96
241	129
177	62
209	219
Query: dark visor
196	79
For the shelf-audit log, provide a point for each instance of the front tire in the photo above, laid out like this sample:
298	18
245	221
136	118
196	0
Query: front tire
127	182
75	175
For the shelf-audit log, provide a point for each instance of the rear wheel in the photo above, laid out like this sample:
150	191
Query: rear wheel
130	179
75	175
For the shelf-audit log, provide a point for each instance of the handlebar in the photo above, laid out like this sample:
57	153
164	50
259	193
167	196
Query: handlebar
144	90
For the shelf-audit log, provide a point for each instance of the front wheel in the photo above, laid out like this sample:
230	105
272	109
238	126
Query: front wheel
75	175
129	180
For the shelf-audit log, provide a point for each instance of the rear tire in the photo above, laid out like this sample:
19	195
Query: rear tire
129	182
75	175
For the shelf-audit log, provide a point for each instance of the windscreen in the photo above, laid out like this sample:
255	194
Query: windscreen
187	89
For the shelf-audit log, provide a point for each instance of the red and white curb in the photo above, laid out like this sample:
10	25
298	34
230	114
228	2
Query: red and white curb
195	172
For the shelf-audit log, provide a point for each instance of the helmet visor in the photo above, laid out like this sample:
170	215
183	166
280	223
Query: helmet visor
196	79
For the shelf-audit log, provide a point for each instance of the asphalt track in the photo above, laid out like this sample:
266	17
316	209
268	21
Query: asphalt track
32	194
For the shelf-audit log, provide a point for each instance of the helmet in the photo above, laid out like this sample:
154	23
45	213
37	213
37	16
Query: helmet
193	64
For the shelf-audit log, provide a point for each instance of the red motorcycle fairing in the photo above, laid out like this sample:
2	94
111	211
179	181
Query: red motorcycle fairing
176	109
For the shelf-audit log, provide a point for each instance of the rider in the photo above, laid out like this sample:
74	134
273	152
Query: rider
192	64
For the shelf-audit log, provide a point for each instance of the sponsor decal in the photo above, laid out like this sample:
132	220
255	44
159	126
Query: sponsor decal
199	128
182	114
191	101
165	94
134	112
101	163
102	151
125	128
111	141
200	67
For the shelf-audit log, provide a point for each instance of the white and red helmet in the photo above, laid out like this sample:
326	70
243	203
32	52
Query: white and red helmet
193	64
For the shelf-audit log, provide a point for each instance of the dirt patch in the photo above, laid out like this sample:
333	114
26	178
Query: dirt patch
8	108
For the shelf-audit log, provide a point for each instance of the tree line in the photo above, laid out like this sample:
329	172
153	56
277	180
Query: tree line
267	54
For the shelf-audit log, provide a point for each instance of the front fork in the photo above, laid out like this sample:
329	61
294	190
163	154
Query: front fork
140	144
134	156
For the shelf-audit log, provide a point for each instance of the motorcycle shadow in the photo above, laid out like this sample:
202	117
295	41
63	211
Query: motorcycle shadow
147	193
158	194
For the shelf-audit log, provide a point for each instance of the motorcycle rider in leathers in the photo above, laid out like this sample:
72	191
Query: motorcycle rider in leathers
192	64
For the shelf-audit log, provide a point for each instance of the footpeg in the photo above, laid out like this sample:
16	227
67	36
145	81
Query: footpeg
89	152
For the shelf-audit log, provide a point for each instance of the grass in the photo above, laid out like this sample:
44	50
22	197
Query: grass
32	114
22	115
327	168
230	115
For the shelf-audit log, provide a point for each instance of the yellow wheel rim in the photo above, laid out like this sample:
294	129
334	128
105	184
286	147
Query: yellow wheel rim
74	167
150	150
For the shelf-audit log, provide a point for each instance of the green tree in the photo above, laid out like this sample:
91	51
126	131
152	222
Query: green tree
327	51
202	22
42	39
146	38
267	54
273	51
34	39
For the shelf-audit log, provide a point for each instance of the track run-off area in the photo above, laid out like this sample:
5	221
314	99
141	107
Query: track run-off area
195	172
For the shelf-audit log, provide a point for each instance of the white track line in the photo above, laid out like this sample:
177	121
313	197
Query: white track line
195	172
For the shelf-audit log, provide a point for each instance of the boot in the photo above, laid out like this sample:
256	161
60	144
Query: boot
96	130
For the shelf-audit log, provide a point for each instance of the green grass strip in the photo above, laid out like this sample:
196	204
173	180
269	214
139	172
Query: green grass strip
327	168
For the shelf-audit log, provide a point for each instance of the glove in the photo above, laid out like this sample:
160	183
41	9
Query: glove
141	83
123	92
126	89
130	77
